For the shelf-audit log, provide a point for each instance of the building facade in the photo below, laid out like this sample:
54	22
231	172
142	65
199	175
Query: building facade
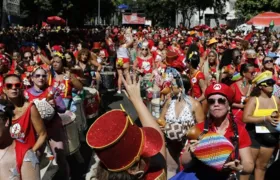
207	17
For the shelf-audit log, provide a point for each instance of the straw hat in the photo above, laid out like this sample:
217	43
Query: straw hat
212	41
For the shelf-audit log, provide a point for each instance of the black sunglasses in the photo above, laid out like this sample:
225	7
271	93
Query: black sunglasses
144	49
268	61
40	75
27	57
219	100
268	83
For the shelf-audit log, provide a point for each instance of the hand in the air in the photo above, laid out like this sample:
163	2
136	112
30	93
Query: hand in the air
132	88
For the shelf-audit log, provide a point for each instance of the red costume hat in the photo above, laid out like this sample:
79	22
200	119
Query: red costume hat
57	48
179	65
171	57
96	45
219	88
119	143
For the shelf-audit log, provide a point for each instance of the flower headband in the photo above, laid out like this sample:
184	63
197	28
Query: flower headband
58	54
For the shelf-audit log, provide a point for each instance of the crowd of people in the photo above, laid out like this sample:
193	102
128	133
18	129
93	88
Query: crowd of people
207	99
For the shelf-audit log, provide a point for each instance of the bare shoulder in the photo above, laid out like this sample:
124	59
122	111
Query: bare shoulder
194	102
252	100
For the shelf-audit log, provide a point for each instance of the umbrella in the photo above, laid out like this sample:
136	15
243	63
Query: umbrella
56	20
123	6
264	19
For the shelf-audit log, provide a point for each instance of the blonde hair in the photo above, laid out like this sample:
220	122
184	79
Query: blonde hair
205	68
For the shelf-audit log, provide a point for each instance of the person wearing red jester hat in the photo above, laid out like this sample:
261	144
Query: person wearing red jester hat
219	132
125	150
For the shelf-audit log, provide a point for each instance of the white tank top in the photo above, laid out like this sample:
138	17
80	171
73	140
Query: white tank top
122	52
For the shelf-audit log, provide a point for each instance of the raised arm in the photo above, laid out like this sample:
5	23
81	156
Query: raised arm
146	118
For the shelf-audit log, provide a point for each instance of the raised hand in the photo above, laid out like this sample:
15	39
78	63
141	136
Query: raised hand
132	88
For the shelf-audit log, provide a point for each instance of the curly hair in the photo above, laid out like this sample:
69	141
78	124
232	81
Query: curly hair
83	51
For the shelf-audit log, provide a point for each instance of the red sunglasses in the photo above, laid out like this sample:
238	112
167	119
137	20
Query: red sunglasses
13	85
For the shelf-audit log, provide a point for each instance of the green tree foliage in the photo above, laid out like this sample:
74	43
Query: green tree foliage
248	8
75	11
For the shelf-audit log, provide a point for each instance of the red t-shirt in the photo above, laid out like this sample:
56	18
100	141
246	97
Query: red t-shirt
244	139
196	90
146	65
65	87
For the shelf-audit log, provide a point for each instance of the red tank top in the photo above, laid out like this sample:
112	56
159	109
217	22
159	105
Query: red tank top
147	65
23	132
196	91
64	86
238	97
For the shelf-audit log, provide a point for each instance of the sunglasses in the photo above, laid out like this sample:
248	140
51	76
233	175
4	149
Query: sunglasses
268	83
13	85
40	75
27	57
219	100
259	49
268	61
144	49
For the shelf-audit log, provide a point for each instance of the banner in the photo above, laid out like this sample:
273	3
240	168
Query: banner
133	19
12	7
